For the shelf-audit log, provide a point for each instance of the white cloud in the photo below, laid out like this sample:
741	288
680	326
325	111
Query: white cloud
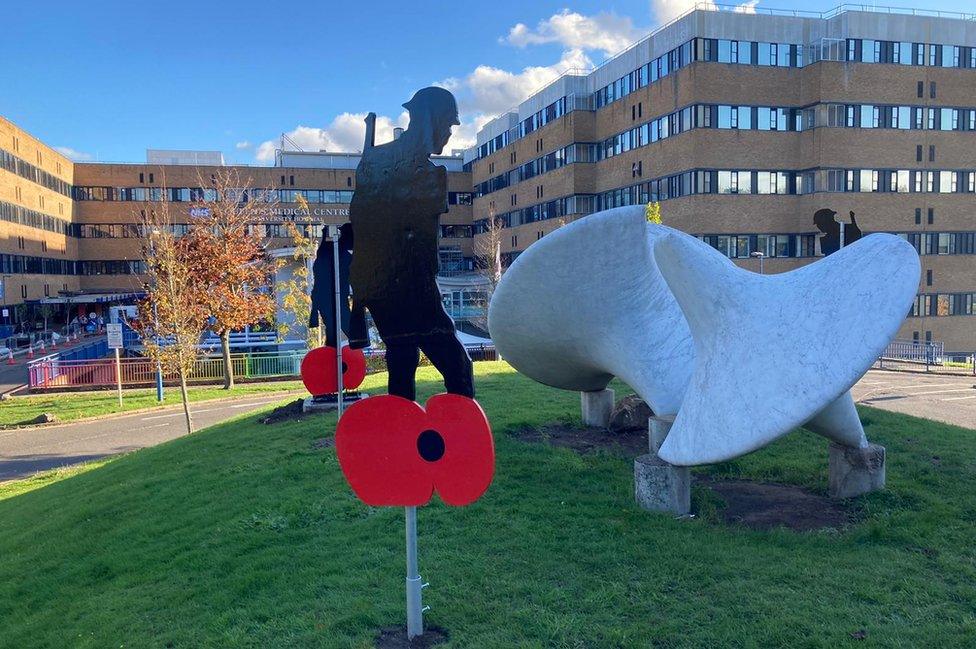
73	154
491	90
747	7
606	32
345	134
242	145
667	10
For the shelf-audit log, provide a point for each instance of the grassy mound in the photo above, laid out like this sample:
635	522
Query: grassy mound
247	535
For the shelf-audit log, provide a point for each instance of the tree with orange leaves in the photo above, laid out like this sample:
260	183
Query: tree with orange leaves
231	268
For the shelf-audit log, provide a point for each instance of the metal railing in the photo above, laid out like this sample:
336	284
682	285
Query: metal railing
919	356
56	372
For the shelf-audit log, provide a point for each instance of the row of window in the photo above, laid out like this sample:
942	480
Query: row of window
33	173
201	195
738	246
745	182
457	231
791	182
752	53
34	219
905	53
943	304
26	265
264	230
724	116
941	243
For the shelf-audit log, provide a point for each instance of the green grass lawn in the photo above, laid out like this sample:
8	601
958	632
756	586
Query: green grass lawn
245	535
77	405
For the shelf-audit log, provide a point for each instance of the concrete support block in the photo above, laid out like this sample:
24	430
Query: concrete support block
662	487
856	471
330	402
597	407
659	486
657	429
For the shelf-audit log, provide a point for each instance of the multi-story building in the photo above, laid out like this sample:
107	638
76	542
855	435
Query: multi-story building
745	125
741	125
38	246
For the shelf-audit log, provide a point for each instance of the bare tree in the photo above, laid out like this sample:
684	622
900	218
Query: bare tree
173	314
488	262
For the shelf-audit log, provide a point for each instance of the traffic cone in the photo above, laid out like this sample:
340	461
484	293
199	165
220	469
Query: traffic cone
30	352
10	357
54	342
43	350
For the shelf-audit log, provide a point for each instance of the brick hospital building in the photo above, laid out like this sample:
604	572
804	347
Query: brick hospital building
742	126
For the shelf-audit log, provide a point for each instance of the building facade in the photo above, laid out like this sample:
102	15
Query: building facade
742	126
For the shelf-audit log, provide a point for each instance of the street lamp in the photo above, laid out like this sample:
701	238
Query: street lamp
760	256
159	363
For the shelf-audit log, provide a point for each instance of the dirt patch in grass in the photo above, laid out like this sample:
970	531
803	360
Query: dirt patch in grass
395	637
291	411
586	440
765	506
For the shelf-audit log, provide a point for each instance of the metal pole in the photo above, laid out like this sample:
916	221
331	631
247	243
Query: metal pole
338	321
415	608
159	364
118	375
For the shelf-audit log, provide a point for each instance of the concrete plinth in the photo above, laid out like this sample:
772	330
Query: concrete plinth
662	487
657	429
856	471
317	404
659	486
597	407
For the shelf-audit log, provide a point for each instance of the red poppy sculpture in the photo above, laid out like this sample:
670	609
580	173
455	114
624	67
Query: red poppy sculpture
395	452
319	370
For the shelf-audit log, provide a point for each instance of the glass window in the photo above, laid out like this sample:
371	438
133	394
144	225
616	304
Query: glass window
726	51
744	54
902	117
745	117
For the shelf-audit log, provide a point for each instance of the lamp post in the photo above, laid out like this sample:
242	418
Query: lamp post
3	293
760	256
159	363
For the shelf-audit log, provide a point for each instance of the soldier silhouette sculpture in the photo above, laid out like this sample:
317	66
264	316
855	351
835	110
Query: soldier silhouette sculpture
395	215
323	287
827	223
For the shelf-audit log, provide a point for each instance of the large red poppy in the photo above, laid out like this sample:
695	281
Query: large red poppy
395	452
319	370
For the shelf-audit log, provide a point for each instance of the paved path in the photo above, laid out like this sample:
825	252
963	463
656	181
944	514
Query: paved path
25	451
950	399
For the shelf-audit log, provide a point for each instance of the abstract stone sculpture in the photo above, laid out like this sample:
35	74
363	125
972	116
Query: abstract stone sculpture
587	303
597	299
773	351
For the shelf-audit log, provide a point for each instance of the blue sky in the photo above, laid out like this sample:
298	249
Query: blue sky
109	79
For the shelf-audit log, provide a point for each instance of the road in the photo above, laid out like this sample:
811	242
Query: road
28	450
25	451
950	399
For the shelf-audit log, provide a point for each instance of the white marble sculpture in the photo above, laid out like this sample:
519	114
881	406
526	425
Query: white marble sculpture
587	303
740	358
773	351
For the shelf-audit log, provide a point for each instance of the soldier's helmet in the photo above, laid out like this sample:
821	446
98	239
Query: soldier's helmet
435	102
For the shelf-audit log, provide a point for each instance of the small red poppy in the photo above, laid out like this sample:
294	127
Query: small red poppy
395	452
319	370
